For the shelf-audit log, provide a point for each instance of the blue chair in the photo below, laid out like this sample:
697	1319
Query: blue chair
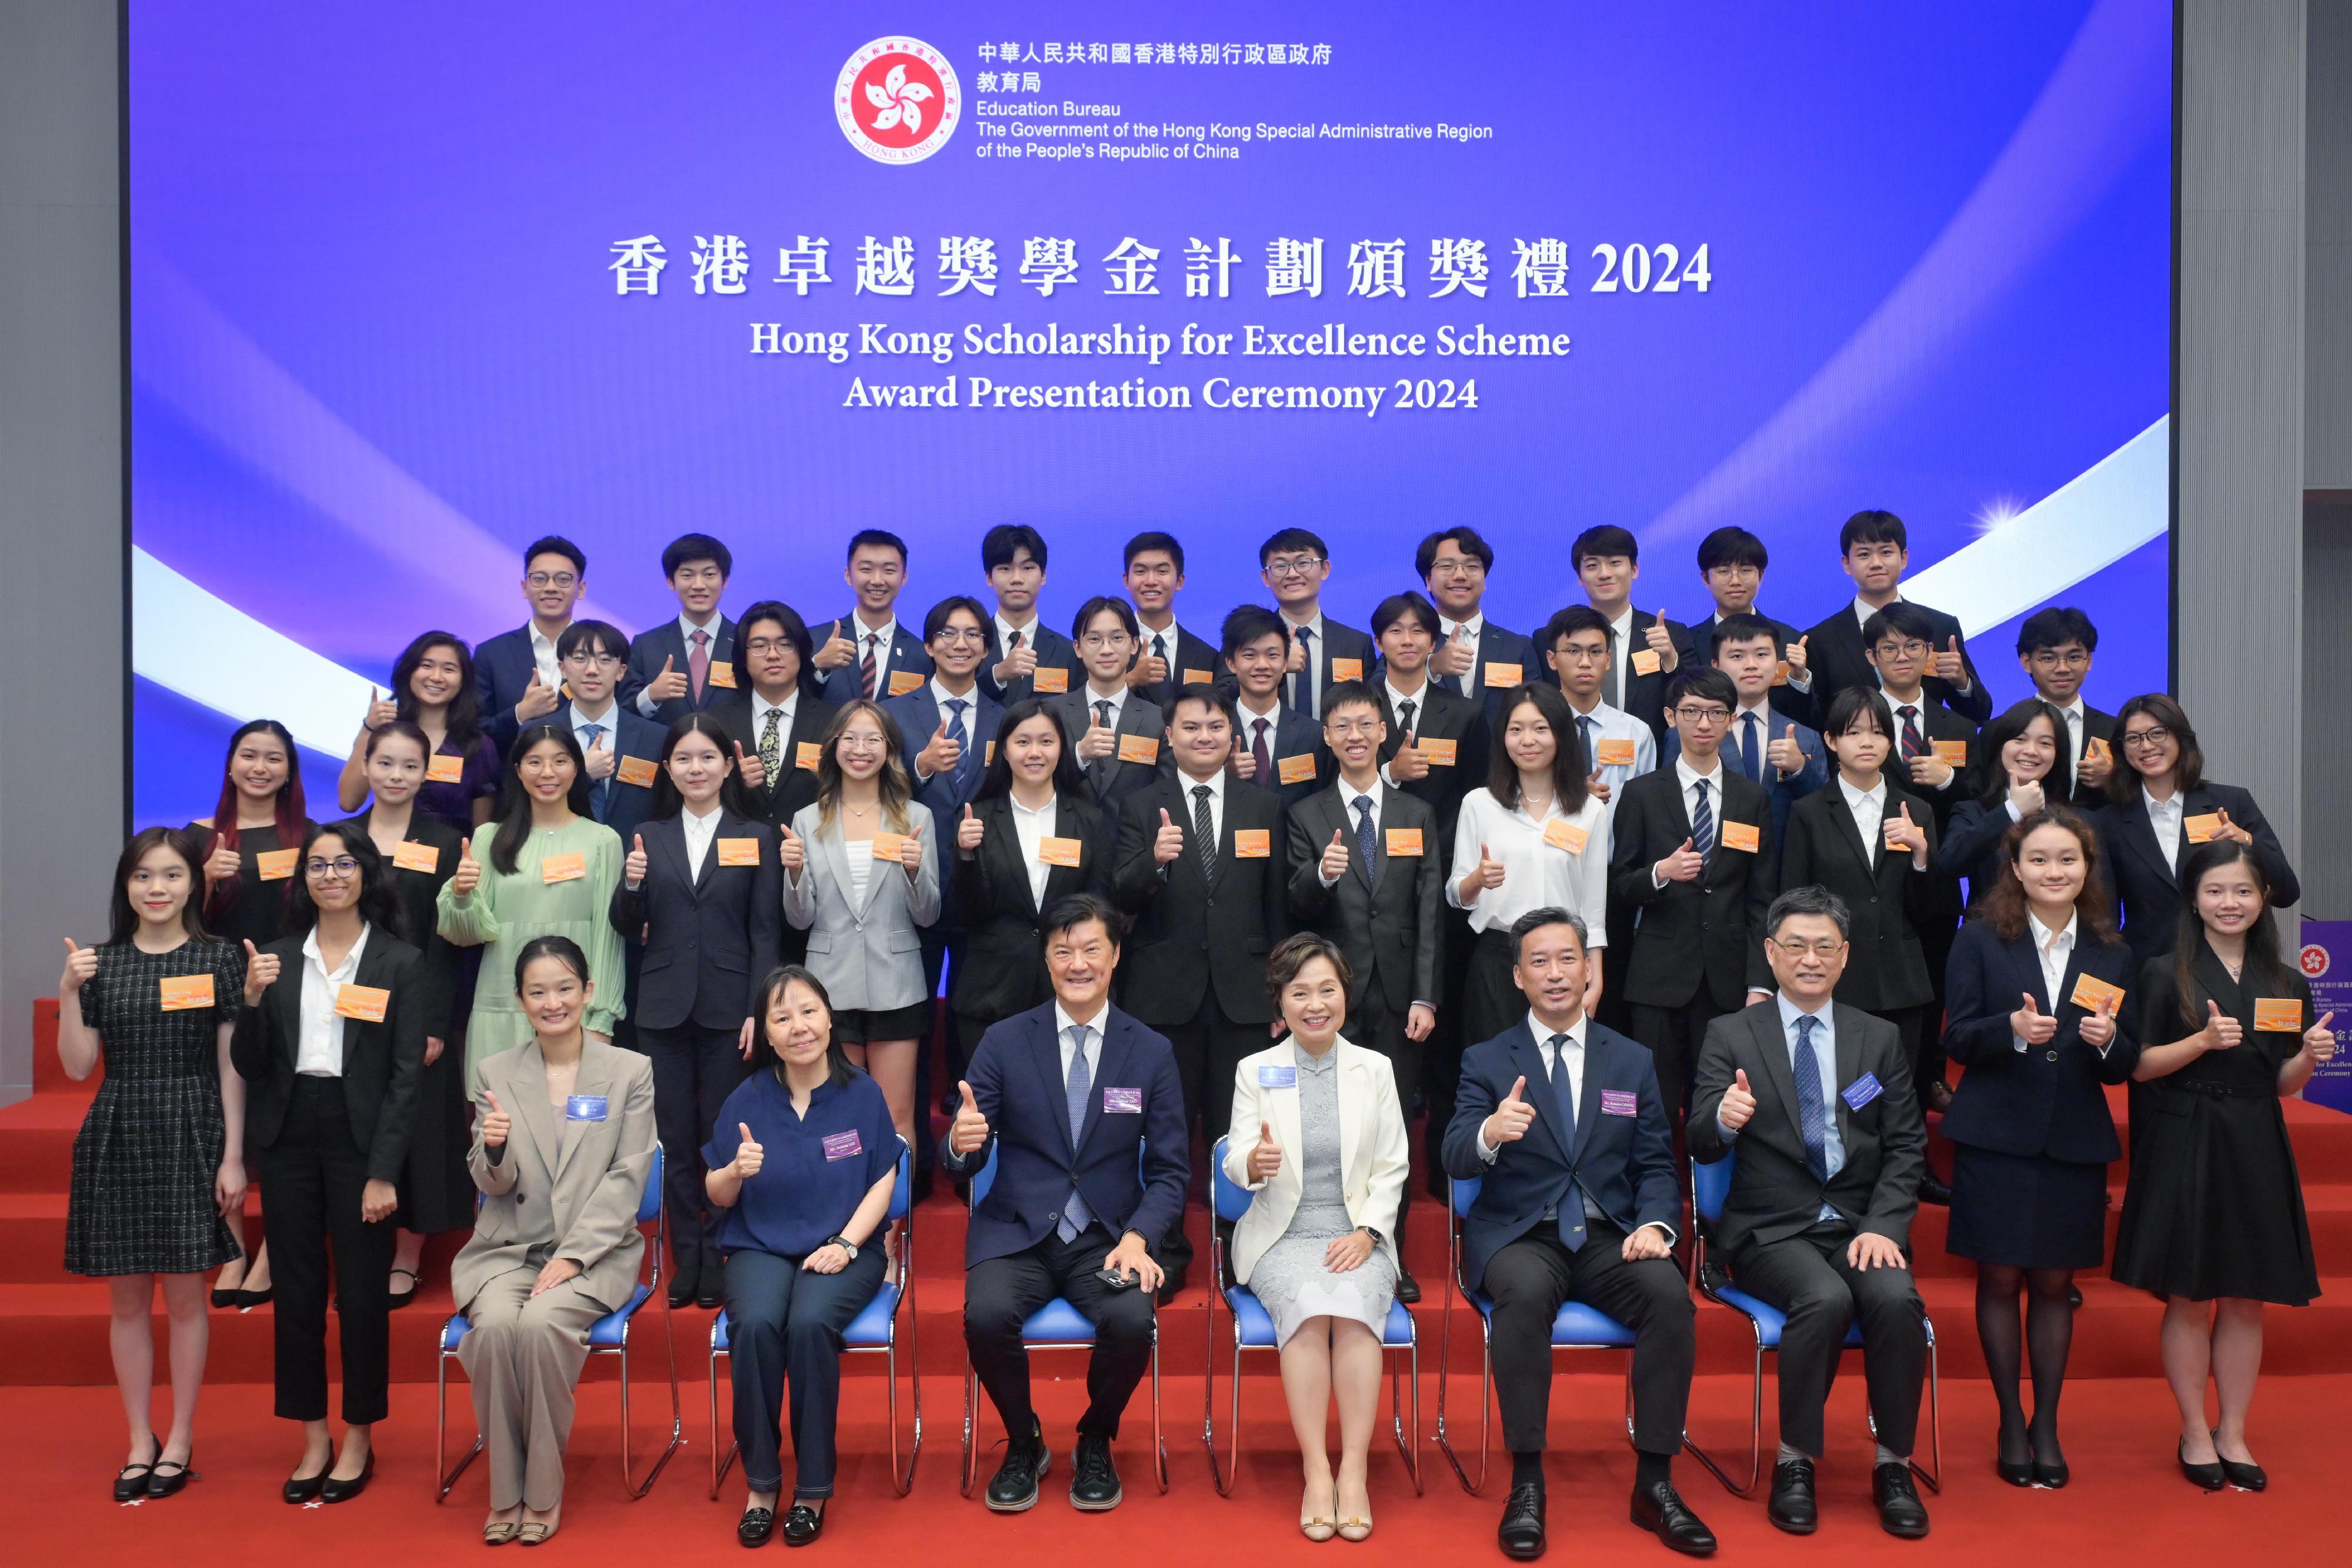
873	1331
1710	1184
609	1336
1056	1325
1252	1329
1575	1327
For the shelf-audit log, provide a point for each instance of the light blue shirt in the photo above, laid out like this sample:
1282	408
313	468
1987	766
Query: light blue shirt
1824	1066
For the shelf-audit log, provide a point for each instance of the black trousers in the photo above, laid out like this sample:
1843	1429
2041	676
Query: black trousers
315	1174
1208	1048
1807	1276
695	1068
1673	1035
1530	1278
1442	1055
784	1327
1378	1026
1000	1294
1490	1002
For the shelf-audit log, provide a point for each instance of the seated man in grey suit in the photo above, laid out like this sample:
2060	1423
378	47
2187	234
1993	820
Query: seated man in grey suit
1816	1100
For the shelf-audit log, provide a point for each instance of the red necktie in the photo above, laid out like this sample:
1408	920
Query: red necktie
697	664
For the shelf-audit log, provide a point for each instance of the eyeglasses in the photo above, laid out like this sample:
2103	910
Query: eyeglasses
1912	650
1349	728
552	579
341	869
592	661
1822	949
1293	566
2154	735
1711	713
1448	566
2051	658
961	634
1105	640
758	645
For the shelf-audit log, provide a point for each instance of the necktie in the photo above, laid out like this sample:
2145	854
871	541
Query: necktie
1159	651
1613	689
698	662
1303	685
602	789
869	668
1751	750
1405	711
957	732
1012	642
1913	745
1367	841
772	746
1264	758
1584	733
1563	1095
1810	1105
1702	826
1102	712
1075	1212
1204	833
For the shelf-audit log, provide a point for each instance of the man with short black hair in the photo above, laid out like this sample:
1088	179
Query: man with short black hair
2054	647
1874	549
1437	741
515	680
1275	747
868	653
1474	657
1171	656
1772	750
1026	656
1643	649
1295	563
1619	747
684	665
1731	562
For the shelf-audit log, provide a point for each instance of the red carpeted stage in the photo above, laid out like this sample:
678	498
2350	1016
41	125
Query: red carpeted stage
2127	1502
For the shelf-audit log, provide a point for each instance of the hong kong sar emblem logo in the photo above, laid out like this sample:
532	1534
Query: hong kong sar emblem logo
897	100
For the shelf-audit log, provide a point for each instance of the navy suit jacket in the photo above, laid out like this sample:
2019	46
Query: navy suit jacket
503	668
1187	652
918	716
1624	1164
709	938
1131	1166
2046	1100
1293	735
664	642
1337	642
2144	893
1496	646
625	805
1834	654
908	656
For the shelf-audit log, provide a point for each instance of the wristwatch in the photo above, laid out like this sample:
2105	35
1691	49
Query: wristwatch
846	1244
1376	1235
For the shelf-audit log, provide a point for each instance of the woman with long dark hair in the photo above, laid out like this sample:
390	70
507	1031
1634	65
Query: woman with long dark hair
159	1164
331	1043
2031	1011
432	688
2024	769
2213	1218
542	867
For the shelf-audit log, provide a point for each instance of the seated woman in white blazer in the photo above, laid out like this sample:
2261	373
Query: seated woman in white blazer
1318	1134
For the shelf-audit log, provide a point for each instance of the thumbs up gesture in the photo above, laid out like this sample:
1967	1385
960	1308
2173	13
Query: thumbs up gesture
2319	1041
1408	765
1683	866
940	754
221	862
2221	1033
81	963
538	699
469	874
1335	858
835	651
495	1123
382	709
633	870
2025	794
748	1154
749	768
970	1129
670	684
791	854
2098	1030
969	832
1488	873
1796	657
1266	1158
910	848
1097	742
1016	662
1454	656
1662	642
261	969
600	760
1295	662
1597	787
1903	833
2031	1024
2231	831
1785	755
1169	841
1950	665
1511	1118
1739	1103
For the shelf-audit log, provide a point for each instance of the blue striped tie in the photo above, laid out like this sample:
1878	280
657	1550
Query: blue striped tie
1074	1213
1810	1112
1703	827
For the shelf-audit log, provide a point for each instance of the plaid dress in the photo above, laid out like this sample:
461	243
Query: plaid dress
146	1157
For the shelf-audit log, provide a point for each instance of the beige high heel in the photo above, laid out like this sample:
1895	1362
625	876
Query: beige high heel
1352	1529
1315	1526
535	1534
497	1531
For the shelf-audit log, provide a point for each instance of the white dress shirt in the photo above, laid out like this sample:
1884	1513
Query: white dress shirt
1824	1067
785	711
1007	631
607	723
1868	808
2053	949
1534	873
1735	739
1166	645
1029	830
1689	779
1470	631
940	698
699	831
318	1053
542	654
2075	719
1246	723
1419	699
880	640
1062	1024
1574	1050
2164	817
1116	697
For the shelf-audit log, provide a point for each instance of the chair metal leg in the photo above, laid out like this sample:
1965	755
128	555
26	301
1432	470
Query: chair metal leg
1410	1355
1933	1480
1755	1429
677	1410
902	1480
970	1459
1158	1440
721	1461
1486	1404
441	1430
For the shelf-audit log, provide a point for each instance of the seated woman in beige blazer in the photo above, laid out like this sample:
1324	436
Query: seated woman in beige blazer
555	1246
1318	1134
861	898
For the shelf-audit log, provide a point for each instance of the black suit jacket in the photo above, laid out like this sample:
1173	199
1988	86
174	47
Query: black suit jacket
1002	970
776	800
1196	932
1442	716
665	642
1940	903
1833	653
1645	695
1707	931
1497	646
1696	650
1385	920
418	893
2046	1100
382	1061
502	669
1337	642
1625	1165
2147	892
709	938
908	656
1886	968
1293	735
1055	651
1188	653
1774	1193
1111	780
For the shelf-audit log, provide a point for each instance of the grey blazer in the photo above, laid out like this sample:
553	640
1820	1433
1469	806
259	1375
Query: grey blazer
581	1203
868	953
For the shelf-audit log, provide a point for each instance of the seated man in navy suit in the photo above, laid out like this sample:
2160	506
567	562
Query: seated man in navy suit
1072	1097
1561	1117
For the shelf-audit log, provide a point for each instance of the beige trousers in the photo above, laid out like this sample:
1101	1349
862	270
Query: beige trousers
523	1356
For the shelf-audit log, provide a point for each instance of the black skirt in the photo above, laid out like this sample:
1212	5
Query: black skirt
863	1026
2214	1208
2027	1211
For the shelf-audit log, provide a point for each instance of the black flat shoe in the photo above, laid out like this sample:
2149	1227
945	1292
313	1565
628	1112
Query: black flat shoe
802	1524
1521	1533
1094	1488
2213	1477
2052	1472
682	1286
1408	1289
1900	1511
162	1485
249	1299
1933	1190
1013	1488
344	1491
130	1480
224	1299
2017	1472
1661	1511
1792	1505
398	1298
2245	1477
754	1528
300	1489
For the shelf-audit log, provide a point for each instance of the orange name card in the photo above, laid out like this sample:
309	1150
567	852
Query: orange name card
1140	748
2278	1015
1565	835
563	868
1050	680
410	856
365	1003
277	865
739	851
2089	991
722	674
2099	749
444	770
891	846
1503	676
635	770
808	754
1952	753
1199	678
1252	843
1059	851
1740	836
1436	752
1781	673
1647	661
184	992
904	681
1613	753
987	754
1405	841
1295	769
2201	829
1347	669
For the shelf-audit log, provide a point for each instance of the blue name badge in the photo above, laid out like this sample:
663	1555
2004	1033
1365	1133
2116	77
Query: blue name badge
1861	1092
584	1108
1269	1076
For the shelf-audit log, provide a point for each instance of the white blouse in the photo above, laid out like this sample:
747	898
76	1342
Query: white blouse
1535	872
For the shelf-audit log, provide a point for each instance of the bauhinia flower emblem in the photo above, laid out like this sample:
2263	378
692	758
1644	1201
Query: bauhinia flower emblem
900	102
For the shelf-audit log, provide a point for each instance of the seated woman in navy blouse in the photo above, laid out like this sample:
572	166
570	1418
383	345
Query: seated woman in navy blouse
802	1160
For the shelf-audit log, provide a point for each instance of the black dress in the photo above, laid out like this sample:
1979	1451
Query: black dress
147	1152
2214	1206
436	1192
258	913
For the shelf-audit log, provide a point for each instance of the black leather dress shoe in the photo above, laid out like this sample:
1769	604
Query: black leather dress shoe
334	1490
1094	1488
1933	1190
1521	1533
2050	1471
802	1524
170	1475
2213	1477
131	1481
683	1281
300	1489
1013	1488
1900	1511
710	1289
754	1528
2244	1477
1408	1289
1660	1509
1792	1505
1935	1097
